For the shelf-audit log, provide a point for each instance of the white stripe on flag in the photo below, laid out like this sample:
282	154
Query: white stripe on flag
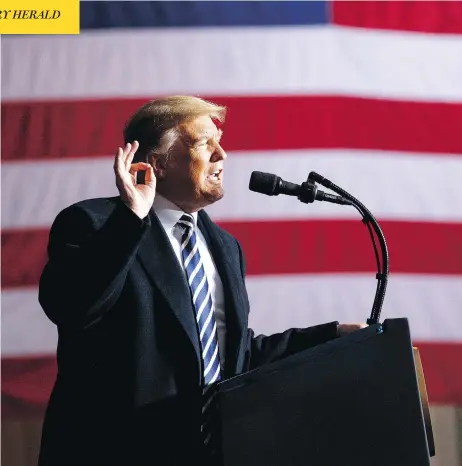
431	303
247	61
387	183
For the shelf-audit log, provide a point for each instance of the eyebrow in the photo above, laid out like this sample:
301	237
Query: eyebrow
218	136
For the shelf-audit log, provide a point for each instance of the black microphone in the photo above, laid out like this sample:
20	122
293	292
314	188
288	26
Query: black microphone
307	192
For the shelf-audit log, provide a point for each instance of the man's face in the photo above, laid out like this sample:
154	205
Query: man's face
193	176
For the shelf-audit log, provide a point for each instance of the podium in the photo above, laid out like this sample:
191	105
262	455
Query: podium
358	400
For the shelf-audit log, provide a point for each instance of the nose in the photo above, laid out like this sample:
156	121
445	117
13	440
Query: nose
219	154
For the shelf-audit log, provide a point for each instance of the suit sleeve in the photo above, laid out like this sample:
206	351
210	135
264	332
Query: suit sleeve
263	349
88	261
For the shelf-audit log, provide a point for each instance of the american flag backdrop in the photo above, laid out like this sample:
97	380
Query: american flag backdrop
368	94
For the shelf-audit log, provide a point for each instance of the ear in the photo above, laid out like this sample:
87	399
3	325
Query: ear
160	166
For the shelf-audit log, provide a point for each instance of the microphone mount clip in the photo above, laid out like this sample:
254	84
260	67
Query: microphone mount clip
308	190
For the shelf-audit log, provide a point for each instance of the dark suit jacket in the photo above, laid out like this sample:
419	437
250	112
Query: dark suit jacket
127	388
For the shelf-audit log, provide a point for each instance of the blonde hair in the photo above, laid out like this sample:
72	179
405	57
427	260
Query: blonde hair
156	124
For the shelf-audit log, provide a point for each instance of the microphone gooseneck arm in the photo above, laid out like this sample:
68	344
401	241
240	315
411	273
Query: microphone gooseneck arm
368	220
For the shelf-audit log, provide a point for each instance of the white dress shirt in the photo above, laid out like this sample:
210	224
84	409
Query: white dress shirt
169	214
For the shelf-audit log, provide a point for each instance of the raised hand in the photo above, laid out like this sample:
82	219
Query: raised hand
138	197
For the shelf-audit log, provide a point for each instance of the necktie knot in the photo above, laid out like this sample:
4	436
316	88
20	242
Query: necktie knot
186	222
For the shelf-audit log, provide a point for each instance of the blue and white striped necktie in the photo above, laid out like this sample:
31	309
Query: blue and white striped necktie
205	317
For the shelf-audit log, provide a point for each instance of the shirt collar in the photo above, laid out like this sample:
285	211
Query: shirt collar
169	213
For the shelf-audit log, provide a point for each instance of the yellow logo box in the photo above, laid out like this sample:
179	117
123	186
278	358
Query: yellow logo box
40	17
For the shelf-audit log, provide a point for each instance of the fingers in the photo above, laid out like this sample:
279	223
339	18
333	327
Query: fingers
119	157
150	177
119	164
134	167
124	157
129	153
349	328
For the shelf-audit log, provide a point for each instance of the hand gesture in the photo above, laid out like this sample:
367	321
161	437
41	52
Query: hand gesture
138	197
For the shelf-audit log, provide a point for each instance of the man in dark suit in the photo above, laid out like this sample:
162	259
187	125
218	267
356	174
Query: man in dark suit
149	298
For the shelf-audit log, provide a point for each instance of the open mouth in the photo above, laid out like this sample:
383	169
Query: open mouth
215	176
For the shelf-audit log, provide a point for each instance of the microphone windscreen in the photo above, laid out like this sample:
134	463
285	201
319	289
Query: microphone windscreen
264	183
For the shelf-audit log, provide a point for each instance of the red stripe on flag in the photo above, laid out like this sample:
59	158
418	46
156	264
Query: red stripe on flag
27	381
344	246
58	130
26	385
304	247
420	16
24	254
440	362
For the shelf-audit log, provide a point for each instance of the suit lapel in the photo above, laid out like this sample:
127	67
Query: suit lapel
161	265
236	321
